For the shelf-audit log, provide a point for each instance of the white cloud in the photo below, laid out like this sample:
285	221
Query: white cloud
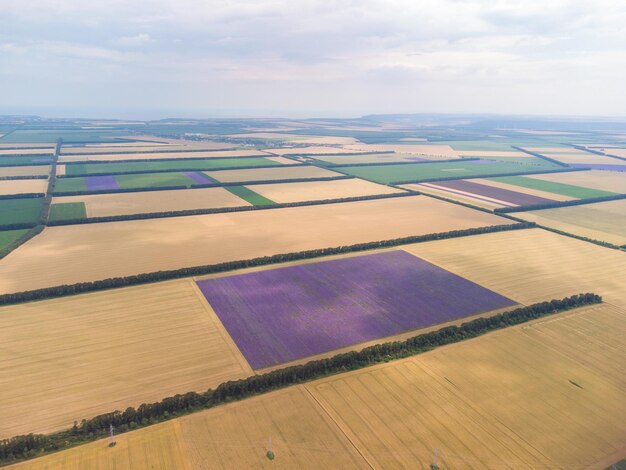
138	40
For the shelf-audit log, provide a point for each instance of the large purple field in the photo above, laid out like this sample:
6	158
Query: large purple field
198	178
100	183
284	314
501	194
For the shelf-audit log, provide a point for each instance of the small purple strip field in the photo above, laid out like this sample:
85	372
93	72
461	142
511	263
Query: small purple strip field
101	183
512	197
284	314
198	177
599	166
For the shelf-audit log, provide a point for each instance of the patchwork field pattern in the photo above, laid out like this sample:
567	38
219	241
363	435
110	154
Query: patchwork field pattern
604	221
270	174
578	192
75	357
321	190
548	395
373	158
79	253
613	182
134	181
104	205
164	152
580	158
285	314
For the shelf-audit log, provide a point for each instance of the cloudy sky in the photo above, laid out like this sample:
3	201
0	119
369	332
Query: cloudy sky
203	58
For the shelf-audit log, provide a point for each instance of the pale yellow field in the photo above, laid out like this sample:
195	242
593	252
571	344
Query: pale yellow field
75	357
614	181
617	152
504	400
28	145
71	254
492	153
604	221
307	139
158	447
269	174
39	151
531	266
317	150
117	148
103	205
432	189
320	190
434	150
34	170
161	155
165	140
237	435
372	158
574	156
283	160
22	186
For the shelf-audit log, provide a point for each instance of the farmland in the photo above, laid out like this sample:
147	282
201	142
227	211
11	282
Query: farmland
372	158
76	357
604	221
614	182
285	314
133	181
159	154
78	169
22	186
20	211
24	160
9	236
13	171
456	400
553	187
429	171
104	205
67	210
65	255
320	190
270	174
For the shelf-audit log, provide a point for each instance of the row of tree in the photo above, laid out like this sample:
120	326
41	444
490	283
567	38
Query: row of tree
28	446
71	289
539	155
23	239
220	210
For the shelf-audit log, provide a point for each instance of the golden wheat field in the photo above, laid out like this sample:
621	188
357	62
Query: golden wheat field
76	357
34	170
604	221
320	190
23	186
103	205
32	145
371	158
312	150
139	147
444	152
531	265
269	174
161	155
37	151
575	156
78	253
526	397
158	447
614	181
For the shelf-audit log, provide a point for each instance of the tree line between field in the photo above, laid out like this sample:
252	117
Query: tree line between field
71	289
29	446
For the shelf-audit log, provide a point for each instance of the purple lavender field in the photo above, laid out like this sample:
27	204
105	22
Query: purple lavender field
284	314
198	177
100	183
512	197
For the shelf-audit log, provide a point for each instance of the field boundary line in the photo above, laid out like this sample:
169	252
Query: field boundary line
331	419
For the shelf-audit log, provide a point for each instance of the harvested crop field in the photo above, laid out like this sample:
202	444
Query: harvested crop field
604	221
41	151
532	265
595	179
160	155
320	190
23	186
312	150
444	152
158	447
545	395
285	314
574	156
71	254
104	205
270	174
75	357
430	171
34	170
372	158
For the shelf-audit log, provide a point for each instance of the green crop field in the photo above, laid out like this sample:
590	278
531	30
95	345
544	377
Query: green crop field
68	210
428	171
18	160
69	184
153	180
51	135
180	164
552	187
250	196
9	236
20	211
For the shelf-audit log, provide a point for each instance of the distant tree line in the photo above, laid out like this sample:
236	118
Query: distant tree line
71	289
597	152
24	177
31	445
539	155
209	184
552	205
21	196
172	159
454	160
221	210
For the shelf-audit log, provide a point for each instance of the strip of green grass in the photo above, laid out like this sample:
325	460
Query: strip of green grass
250	196
70	184
148	166
552	187
9	236
153	180
20	211
68	210
429	171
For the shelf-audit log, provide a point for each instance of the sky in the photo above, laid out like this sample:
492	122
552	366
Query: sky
306	58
